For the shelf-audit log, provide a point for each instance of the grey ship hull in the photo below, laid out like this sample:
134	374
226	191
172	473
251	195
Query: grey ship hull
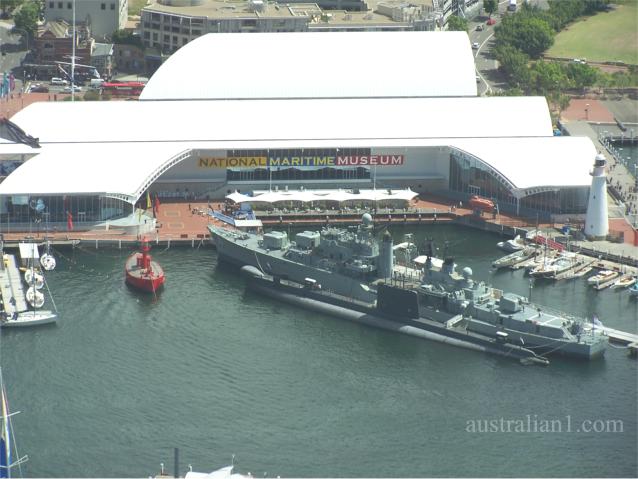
244	252
367	314
542	344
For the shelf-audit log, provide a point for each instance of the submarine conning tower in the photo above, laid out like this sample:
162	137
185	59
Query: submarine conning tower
386	256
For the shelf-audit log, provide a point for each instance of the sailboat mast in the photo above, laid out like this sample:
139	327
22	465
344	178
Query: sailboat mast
73	58
5	437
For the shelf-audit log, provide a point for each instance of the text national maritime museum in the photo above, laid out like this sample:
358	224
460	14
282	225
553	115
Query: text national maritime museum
247	112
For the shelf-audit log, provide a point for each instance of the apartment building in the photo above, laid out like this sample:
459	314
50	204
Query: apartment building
102	17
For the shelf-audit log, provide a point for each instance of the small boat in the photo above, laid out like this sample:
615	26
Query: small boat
624	282
512	245
33	278
34	297
479	203
562	263
27	318
141	272
513	258
48	262
602	277
633	291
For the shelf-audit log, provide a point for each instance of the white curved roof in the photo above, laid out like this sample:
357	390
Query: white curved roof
253	120
109	169
317	65
118	148
124	170
530	163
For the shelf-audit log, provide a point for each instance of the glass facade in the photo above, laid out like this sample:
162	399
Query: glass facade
53	209
470	176
307	165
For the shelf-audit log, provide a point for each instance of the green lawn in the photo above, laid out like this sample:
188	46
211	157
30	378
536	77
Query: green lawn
611	36
134	6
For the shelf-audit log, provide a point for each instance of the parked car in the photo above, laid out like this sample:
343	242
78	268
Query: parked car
67	89
39	89
475	45
479	28
490	21
58	81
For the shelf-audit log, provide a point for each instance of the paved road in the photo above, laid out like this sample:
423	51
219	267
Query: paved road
489	80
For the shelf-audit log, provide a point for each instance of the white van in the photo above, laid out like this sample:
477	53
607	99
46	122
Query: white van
58	81
96	83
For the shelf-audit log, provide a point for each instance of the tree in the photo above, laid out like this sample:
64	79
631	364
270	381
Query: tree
9	5
528	33
548	77
581	75
513	63
490	6
27	17
457	24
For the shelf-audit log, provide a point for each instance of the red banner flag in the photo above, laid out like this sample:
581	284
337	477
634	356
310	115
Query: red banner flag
157	203
69	221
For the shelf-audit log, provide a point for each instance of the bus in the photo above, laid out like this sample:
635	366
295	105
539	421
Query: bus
129	88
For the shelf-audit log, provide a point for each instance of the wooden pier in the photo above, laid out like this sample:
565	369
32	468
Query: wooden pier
11	286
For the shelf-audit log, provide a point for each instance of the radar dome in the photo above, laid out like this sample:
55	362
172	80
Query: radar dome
467	272
366	219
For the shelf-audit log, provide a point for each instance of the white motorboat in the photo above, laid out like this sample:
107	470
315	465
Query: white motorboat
602	277
633	291
515	244
624	282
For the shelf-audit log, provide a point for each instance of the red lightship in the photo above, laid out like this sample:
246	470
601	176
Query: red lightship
142	272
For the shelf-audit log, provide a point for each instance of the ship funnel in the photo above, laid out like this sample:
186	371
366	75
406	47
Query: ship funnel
386	256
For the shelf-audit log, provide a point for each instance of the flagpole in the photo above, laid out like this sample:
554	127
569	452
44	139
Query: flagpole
73	58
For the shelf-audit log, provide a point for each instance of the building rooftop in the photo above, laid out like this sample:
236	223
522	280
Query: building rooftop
222	9
318	65
126	145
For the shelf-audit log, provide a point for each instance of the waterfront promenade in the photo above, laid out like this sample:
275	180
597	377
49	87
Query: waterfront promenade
183	223
592	118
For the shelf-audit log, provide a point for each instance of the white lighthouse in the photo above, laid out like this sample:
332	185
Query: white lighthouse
597	221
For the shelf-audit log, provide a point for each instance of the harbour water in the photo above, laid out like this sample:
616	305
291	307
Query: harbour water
216	370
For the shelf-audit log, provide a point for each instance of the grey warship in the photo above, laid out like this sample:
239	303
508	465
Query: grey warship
345	260
492	312
350	268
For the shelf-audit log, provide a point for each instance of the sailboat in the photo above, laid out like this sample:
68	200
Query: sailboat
7	442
